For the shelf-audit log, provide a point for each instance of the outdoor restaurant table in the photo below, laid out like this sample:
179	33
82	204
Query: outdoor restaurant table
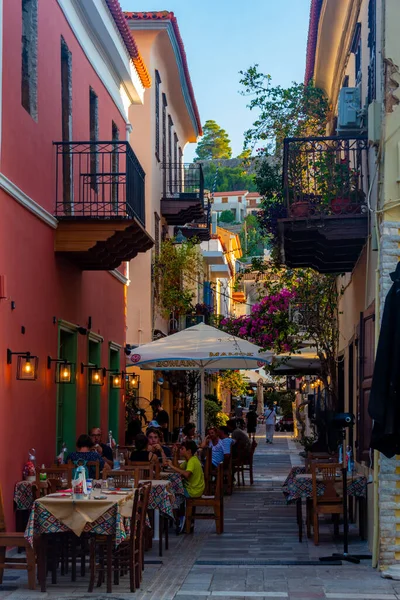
176	486
298	486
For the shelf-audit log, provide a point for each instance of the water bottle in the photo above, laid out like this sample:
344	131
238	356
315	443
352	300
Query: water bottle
43	476
350	462
116	459
180	436
89	486
110	439
340	459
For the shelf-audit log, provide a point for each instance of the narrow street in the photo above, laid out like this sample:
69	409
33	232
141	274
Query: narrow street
258	556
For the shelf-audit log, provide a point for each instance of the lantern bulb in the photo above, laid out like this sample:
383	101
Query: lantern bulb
96	376
65	373
28	367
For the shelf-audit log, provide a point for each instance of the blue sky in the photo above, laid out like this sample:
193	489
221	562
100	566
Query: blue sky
222	37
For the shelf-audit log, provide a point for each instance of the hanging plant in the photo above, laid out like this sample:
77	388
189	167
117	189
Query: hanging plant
178	268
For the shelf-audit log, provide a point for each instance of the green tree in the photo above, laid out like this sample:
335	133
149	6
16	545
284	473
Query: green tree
253	240
226	216
215	142
296	111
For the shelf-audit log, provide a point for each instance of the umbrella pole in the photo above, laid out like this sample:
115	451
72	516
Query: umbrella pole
202	424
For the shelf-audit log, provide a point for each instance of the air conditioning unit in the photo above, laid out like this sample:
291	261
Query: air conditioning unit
349	110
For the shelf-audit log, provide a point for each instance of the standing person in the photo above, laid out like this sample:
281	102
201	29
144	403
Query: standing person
251	418
270	420
103	449
162	418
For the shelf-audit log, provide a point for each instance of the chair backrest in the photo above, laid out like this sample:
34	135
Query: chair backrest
139	513
319	457
325	473
146	470
92	468
56	472
219	482
122	477
126	451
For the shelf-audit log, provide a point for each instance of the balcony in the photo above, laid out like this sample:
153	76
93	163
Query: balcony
325	193
183	193
200	229
100	204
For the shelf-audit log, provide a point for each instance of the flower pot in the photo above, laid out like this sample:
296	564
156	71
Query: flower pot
299	209
340	205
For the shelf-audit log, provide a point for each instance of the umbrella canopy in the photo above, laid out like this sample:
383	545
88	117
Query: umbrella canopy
199	347
305	363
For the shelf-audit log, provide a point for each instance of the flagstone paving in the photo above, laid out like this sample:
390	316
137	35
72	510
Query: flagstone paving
255	558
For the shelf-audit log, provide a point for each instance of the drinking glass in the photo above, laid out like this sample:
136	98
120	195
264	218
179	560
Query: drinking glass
104	484
97	487
111	483
122	460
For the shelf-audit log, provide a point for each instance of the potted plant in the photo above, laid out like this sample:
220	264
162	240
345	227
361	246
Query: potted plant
336	183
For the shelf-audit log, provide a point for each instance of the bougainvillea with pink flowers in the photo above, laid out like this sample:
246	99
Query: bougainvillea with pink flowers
269	324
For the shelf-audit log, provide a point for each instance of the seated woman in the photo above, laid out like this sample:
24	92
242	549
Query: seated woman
141	452
86	453
189	432
155	437
191	470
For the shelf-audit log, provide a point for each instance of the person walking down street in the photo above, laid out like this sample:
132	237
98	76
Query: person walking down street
270	420
162	418
251	418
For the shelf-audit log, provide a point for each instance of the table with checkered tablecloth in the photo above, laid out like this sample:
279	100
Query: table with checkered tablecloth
298	485
176	487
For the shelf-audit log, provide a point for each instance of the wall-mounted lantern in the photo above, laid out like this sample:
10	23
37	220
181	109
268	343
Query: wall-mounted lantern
96	374
65	370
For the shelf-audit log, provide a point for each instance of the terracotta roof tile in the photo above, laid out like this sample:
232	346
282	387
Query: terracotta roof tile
315	12
166	15
119	18
238	193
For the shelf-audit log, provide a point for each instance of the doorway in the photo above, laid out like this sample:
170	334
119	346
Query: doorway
94	391
66	393
114	395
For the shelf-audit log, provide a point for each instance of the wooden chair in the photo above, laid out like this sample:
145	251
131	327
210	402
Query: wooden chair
93	467
146	470
228	474
129	555
122	477
330	502
323	457
216	502
247	462
12	539
208	468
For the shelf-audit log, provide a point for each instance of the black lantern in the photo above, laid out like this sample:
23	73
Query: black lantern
96	374
27	365
65	370
117	380
132	382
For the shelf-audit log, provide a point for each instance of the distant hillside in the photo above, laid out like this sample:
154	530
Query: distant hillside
233	174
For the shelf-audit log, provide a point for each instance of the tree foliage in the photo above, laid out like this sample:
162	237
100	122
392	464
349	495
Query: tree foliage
296	111
234	382
229	179
252	238
226	216
176	268
215	142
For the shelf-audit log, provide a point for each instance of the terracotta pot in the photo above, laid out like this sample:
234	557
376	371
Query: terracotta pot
299	209
344	206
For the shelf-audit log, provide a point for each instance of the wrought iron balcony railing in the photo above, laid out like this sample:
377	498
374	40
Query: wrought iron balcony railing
325	176
183	181
99	180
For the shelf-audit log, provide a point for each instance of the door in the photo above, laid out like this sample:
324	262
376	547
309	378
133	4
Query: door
114	395
66	393
94	391
366	367
351	392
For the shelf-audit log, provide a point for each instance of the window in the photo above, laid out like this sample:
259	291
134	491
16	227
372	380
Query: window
170	124
164	141
94	135
356	49
372	51
114	167
239	198
176	166
157	248
157	92
224	200
66	122
29	56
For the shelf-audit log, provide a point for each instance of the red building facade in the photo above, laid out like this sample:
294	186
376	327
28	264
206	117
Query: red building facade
70	214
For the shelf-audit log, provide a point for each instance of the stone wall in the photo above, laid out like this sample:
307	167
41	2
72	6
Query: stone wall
389	472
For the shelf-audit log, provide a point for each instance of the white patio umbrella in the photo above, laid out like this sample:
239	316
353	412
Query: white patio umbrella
199	348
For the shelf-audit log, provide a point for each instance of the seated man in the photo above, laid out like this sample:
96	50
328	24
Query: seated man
226	441
242	445
212	440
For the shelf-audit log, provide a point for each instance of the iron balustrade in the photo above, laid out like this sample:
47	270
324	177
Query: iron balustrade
325	176
183	181
99	180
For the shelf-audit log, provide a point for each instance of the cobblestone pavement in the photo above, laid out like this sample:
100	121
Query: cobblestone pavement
255	558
